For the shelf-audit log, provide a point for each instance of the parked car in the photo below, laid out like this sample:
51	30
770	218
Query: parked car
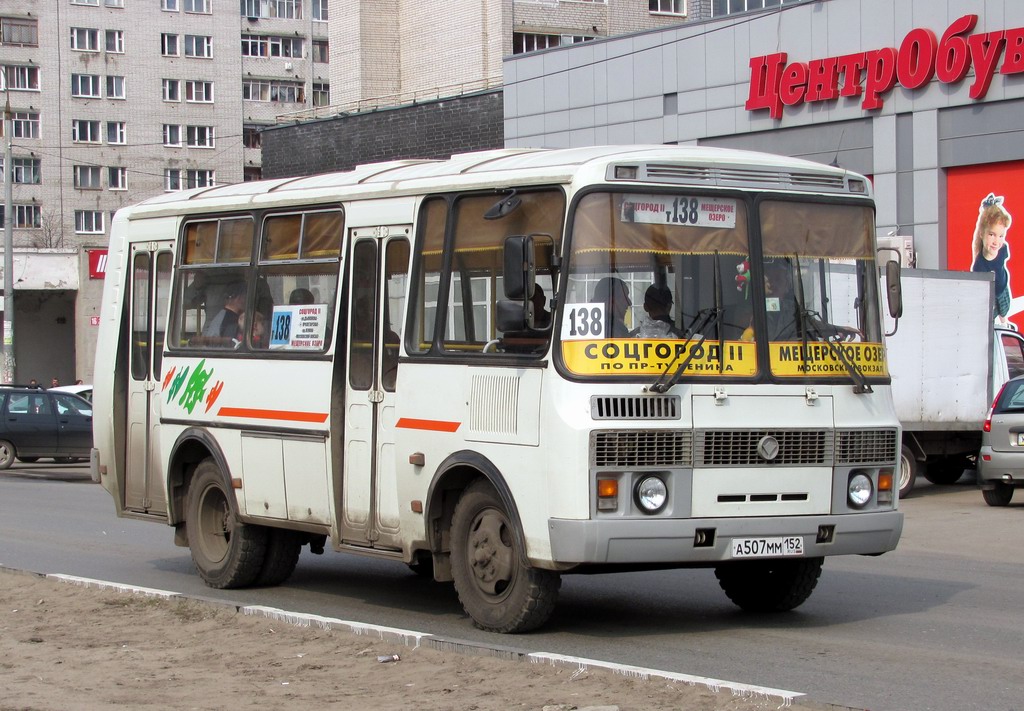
36	423
84	391
1001	459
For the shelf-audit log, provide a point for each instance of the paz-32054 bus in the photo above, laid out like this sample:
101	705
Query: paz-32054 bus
505	367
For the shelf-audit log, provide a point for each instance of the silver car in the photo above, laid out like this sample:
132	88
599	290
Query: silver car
1001	459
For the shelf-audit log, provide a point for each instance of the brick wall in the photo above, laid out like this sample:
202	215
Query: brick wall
434	129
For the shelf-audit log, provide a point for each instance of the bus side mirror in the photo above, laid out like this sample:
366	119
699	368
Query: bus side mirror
519	267
510	316
893	288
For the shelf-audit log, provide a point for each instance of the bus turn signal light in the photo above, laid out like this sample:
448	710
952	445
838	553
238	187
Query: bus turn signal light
607	494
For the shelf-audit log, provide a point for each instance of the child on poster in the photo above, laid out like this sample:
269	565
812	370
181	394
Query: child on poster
991	252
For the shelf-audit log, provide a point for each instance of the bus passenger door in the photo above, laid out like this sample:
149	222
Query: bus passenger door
148	294
378	265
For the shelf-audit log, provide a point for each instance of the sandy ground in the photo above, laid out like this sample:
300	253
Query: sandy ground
64	646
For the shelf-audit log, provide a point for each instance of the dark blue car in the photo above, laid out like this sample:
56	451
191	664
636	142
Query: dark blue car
36	423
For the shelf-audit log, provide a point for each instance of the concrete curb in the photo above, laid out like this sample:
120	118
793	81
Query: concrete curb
414	639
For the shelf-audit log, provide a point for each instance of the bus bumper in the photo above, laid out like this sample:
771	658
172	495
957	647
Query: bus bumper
678	541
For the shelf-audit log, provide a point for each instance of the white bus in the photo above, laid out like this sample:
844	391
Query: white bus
504	367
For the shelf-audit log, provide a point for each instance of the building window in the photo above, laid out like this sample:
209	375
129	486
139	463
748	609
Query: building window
321	51
85	86
275	91
531	42
730	7
199	136
115	87
94	3
172	89
89	222
283	9
251	137
197	91
24	124
286	47
320	10
117	178
22	78
199	46
19	32
114	3
85	39
25	216
667	7
169	5
27	171
251	173
199	6
87	177
169	45
83	131
114	41
172	135
178	179
321	94
117	133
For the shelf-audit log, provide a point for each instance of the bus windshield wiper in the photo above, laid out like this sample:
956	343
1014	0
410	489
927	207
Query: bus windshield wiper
706	317
810	322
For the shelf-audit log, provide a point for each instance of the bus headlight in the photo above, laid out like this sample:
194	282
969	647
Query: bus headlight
860	490
651	494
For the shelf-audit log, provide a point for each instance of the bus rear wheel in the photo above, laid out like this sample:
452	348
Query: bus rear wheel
771	585
283	549
226	552
496	587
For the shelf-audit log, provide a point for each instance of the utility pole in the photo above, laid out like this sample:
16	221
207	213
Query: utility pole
8	299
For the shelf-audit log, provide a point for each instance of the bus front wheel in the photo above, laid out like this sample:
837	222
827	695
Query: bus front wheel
226	552
495	585
772	585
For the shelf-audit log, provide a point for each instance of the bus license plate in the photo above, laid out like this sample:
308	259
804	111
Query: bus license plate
767	547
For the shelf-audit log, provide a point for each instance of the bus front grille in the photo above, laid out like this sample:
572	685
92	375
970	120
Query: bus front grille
633	407
739	448
866	446
641	448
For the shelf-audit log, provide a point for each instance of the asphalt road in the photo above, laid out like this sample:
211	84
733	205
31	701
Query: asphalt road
937	624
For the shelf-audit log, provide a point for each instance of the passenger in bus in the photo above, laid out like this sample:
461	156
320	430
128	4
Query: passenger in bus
259	330
225	323
614	294
541	316
658	324
300	296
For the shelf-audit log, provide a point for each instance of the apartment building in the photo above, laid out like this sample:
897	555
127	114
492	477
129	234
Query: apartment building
115	101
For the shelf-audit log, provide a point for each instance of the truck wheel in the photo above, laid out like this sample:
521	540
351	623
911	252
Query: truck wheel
6	454
908	471
945	470
774	585
226	552
283	549
999	495
495	585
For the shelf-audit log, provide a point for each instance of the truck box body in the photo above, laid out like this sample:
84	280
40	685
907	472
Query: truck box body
947	361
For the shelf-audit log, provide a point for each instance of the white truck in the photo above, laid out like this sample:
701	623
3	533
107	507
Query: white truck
947	362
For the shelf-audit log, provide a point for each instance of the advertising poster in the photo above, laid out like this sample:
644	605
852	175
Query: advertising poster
981	204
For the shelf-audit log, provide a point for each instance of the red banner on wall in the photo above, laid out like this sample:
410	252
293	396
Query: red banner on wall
97	263
991	194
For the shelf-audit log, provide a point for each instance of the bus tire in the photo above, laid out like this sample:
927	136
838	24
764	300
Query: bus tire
7	454
226	552
283	549
496	588
772	585
908	471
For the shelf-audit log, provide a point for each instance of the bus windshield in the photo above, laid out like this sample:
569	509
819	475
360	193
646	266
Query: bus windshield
666	280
